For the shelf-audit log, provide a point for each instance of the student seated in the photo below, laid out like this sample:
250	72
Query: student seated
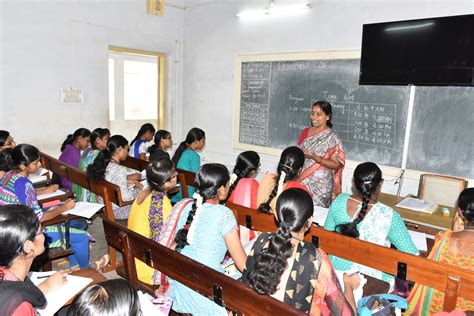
360	215
71	151
163	142
108	298
107	166
22	240
453	247
243	187
138	145
271	186
16	188
206	231
151	208
185	157
283	265
98	139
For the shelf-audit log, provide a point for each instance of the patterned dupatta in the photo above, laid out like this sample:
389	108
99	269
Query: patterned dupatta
324	144
155	217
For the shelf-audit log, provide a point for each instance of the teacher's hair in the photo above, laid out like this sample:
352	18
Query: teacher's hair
96	170
367	177
246	162
18	223
194	134
294	208
108	298
466	204
291	162
326	107
209	178
81	132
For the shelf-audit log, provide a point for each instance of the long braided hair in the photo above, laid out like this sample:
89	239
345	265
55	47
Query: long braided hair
246	163
289	166
209	178
294	208
367	177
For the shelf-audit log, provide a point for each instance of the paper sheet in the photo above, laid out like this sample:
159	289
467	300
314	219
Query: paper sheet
85	209
50	195
418	205
319	215
419	239
60	296
35	178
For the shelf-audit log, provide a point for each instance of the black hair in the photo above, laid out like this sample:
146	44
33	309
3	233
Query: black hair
108	298
3	137
291	162
5	160
157	139
106	131
81	132
193	135
18	223
466	204
246	162
209	178
294	208
147	127
96	170
326	107
367	177
97	133
159	172
22	154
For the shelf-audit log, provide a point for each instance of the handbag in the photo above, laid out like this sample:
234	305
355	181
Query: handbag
386	304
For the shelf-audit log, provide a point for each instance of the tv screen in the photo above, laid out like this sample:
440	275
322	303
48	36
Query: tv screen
429	52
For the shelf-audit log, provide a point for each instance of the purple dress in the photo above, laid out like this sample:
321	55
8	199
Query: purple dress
72	156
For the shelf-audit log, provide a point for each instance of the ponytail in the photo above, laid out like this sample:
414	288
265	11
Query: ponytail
80	132
289	166
246	162
68	141
367	177
6	162
193	135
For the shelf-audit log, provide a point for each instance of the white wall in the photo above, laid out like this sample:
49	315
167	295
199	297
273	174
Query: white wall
213	37
48	45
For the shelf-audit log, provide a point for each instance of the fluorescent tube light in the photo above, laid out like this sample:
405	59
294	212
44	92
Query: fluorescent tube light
275	10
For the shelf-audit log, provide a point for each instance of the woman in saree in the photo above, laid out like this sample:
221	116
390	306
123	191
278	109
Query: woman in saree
322	170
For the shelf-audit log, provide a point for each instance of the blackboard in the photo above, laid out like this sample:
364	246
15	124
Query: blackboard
442	132
275	99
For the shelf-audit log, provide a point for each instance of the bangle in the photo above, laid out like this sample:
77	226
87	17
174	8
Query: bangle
320	159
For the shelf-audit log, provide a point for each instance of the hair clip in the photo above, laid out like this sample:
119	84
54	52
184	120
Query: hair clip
368	182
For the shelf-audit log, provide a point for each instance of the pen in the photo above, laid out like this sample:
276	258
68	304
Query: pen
45	276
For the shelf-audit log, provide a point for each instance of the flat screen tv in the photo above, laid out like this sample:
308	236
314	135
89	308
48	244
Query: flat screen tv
426	52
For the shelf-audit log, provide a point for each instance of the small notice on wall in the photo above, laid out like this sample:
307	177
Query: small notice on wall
72	95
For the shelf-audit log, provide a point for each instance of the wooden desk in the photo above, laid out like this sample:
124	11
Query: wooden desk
428	223
95	275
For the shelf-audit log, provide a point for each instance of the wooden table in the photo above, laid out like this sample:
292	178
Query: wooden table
423	222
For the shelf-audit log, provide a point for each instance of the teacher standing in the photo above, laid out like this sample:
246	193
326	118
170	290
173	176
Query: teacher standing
322	170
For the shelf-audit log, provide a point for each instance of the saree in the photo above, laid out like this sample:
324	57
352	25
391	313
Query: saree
323	183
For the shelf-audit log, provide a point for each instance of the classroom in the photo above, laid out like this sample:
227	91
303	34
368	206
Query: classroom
50	48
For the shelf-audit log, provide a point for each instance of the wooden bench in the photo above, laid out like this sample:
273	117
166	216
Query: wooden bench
454	281
135	163
218	287
186	178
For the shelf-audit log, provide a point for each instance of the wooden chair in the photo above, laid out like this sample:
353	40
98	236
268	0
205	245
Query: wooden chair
218	287
186	178
441	189
135	163
454	281
78	177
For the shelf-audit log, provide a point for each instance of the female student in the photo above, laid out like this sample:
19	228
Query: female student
186	157
138	144
151	208
453	247
243	187
22	240
15	188
71	151
293	271
322	171
206	231
360	215
289	167
99	139
107	166
163	142
112	297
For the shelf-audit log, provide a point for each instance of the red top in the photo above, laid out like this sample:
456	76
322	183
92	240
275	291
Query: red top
25	308
303	135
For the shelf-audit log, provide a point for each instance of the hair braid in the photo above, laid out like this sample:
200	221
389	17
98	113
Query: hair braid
182	235
265	207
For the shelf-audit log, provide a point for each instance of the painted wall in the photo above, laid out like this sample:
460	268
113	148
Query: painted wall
213	37
48	45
